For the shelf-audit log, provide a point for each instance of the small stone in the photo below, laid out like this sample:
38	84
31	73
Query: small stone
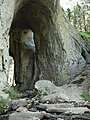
33	109
41	107
60	119
5	110
47	102
34	118
37	102
29	101
87	104
29	106
20	109
48	115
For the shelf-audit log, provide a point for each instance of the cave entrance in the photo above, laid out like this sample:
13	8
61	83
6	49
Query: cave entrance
45	61
31	21
22	49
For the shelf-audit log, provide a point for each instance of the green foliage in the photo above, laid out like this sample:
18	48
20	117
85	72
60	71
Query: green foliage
13	93
79	16
86	96
85	34
2	103
40	93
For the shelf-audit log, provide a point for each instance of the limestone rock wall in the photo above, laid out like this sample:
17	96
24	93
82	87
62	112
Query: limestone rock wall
6	16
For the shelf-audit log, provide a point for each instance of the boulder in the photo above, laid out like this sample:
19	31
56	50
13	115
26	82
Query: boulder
26	115
70	92
19	103
45	86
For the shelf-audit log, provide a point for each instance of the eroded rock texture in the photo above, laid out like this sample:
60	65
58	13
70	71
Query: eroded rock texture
6	16
22	49
57	54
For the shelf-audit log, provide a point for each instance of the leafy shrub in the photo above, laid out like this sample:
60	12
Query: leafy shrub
86	96
13	93
85	34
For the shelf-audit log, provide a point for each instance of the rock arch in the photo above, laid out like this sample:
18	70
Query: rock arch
57	55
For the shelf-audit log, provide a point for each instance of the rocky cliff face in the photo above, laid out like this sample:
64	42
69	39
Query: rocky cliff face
57	54
6	16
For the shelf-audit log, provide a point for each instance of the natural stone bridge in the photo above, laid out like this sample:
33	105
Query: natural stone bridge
42	43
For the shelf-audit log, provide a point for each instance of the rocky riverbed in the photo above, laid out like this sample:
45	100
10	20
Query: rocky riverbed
34	109
50	102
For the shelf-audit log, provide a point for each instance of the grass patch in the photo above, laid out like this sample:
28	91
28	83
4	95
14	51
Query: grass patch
13	93
2	103
39	94
85	34
86	96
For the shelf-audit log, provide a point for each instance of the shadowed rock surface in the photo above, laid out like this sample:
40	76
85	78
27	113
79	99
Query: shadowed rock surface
57	54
